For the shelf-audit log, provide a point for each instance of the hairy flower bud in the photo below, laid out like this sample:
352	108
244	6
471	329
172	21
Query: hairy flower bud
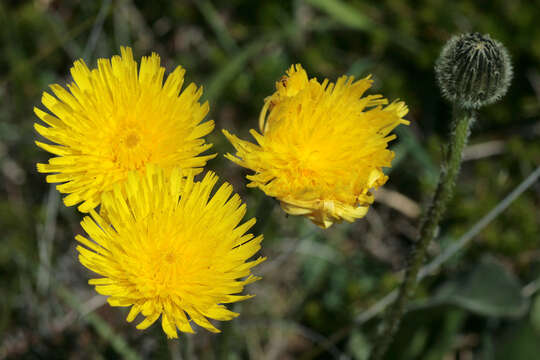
473	70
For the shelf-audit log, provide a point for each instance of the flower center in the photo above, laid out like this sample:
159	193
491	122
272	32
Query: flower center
132	140
129	147
170	258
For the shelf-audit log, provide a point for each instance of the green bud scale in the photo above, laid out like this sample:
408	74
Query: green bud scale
473	70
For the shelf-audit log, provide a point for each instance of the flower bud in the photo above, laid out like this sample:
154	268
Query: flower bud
473	70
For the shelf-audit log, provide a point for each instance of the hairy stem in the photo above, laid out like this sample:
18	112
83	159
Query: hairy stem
462	120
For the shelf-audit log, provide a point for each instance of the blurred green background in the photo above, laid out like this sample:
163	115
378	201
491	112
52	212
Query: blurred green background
317	285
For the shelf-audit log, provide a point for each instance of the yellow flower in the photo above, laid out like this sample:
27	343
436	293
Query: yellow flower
321	146
167	248
115	119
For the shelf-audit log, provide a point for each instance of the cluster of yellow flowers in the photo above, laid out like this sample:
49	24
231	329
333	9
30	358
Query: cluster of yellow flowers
129	145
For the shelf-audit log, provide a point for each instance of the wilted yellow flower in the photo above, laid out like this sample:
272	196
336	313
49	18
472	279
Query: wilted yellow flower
321	146
167	248
115	119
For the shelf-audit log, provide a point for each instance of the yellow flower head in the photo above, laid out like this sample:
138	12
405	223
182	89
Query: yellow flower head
321	146
167	248
115	119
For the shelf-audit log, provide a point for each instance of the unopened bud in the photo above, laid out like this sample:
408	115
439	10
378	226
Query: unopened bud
473	70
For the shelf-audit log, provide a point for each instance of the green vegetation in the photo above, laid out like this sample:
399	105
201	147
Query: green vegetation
317	285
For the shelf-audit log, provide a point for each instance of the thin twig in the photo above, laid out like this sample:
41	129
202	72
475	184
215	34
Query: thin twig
45	241
215	21
456	246
442	258
399	202
104	330
96	29
310	334
531	288
481	224
483	150
463	118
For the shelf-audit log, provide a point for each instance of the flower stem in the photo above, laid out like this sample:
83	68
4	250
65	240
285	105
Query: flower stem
462	120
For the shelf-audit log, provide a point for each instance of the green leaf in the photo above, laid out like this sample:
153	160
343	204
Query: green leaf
237	63
350	16
358	346
344	13
102	328
535	313
488	290
522	343
451	325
